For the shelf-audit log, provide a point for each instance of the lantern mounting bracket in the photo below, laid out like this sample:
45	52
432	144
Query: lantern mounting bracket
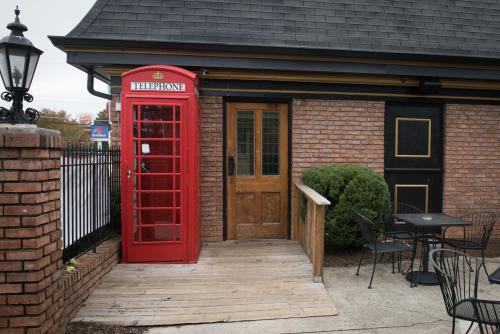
16	114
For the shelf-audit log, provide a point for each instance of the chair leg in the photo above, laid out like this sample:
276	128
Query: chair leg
359	265
393	262
453	326
373	271
470	326
484	264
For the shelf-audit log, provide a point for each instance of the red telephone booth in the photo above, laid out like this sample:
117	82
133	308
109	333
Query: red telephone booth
160	159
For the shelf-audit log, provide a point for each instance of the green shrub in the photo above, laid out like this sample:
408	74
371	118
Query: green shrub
349	188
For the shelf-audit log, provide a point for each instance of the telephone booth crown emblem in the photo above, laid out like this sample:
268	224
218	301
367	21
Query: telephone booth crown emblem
158	75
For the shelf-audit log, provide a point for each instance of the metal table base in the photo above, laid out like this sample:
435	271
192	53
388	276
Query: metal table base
495	277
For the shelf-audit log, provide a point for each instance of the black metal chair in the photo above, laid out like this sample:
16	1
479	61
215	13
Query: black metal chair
475	236
458	275
404	232
401	231
368	232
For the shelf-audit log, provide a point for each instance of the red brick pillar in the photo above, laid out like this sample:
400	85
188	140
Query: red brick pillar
30	230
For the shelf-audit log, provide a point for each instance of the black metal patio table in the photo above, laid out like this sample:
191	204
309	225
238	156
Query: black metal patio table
495	277
421	221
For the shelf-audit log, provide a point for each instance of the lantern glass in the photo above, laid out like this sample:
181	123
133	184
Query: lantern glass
17	58
3	68
31	68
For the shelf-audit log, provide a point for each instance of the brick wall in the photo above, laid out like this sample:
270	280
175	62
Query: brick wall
472	160
30	230
91	268
115	120
337	131
211	163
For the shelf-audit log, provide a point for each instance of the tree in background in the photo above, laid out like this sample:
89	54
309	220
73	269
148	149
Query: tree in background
102	118
71	130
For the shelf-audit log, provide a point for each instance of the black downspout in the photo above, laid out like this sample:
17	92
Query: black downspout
90	87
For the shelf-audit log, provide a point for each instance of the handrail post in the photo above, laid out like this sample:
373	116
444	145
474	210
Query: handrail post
318	245
295	212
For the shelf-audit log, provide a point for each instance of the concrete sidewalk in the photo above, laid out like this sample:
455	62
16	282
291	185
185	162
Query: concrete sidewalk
390	307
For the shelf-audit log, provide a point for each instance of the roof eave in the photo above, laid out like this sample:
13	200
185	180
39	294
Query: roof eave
64	43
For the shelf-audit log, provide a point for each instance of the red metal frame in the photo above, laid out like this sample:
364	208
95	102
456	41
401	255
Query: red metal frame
183	243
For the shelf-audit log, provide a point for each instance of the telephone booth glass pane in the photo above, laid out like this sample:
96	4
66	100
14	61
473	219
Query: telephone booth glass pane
157	136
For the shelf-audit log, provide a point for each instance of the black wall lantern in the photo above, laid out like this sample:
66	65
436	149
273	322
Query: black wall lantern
18	60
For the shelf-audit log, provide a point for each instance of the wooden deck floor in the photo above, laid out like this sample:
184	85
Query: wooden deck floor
233	281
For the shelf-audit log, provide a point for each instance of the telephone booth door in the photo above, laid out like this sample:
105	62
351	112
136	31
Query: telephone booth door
159	166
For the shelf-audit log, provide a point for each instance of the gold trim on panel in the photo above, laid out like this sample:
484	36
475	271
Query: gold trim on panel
425	186
396	141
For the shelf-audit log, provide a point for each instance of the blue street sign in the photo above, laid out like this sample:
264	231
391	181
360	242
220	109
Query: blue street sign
99	132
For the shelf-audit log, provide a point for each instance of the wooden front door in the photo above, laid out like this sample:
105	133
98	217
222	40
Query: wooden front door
257	170
414	154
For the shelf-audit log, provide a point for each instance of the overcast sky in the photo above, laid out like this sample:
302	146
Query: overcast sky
56	85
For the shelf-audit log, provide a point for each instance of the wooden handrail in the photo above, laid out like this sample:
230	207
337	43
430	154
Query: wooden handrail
310	231
312	194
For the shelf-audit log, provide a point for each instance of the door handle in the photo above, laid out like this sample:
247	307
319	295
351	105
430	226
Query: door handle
230	165
129	173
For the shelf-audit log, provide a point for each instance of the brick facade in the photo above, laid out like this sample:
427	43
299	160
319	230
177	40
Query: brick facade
211	168
30	230
337	131
115	120
341	131
472	160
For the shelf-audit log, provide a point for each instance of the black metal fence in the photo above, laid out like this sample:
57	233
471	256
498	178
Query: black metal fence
90	197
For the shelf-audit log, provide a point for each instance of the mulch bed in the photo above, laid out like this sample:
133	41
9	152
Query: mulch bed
93	328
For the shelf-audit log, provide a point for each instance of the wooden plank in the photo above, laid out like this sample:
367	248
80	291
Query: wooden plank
295	210
163	320
227	284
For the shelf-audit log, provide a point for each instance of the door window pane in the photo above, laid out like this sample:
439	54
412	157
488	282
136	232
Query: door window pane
270	143
156	113
157	182
157	165
157	217
156	130
158	233
157	199
245	142
157	147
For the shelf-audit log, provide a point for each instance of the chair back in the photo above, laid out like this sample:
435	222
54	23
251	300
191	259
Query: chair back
367	228
458	276
482	225
405	208
391	225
